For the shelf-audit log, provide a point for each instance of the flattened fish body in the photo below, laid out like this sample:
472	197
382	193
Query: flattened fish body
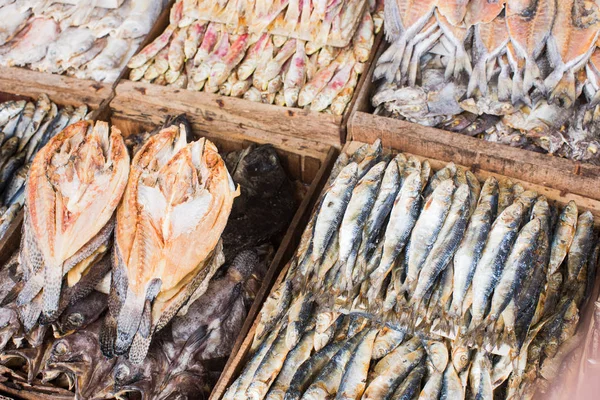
75	184
173	213
483	11
453	10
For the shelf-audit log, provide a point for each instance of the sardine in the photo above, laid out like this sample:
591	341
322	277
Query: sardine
469	252
357	211
274	308
402	219
563	237
331	213
269	367
488	270
385	383
354	380
452	387
448	172
387	340
426	231
445	245
480	380
506	196
409	388
308	370
329	379
299	316
581	245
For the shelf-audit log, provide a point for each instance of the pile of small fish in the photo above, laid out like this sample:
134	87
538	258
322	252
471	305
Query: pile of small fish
495	268
514	72
26	127
79	39
323	21
349	357
80	345
267	68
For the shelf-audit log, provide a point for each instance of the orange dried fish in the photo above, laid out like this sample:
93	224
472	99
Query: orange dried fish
174	210
483	11
571	44
453	10
75	184
529	25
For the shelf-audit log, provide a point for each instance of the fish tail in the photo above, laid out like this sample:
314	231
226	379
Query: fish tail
564	92
532	74
128	321
143	337
51	292
476	79
30	313
31	289
108	335
518	93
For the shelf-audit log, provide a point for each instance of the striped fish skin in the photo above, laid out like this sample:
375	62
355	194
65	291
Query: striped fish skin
517	265
447	241
354	380
327	382
402	219
426	230
294	358
563	236
581	245
469	252
332	209
506	196
359	207
480	377
488	270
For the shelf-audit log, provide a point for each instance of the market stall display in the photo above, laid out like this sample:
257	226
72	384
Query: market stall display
495	300
213	57
509	72
84	39
26	128
188	329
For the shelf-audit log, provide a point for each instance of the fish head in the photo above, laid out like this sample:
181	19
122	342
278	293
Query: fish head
185	385
461	357
80	314
259	172
438	354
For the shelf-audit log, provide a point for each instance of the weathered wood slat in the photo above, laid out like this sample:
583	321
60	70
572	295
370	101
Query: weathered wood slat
542	169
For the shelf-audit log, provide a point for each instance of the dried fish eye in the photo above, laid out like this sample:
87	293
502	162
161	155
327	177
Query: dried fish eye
75	320
121	373
61	348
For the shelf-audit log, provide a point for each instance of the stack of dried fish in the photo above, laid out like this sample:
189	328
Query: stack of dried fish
321	21
26	128
514	72
495	267
198	55
77	39
348	357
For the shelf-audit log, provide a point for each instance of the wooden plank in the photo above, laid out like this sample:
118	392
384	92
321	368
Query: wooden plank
222	116
558	173
227	115
61	89
286	250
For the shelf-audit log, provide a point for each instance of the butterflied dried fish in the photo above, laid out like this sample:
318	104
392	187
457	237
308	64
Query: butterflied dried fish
157	199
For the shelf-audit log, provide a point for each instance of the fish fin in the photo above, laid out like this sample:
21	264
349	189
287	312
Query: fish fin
392	20
475	82
53	277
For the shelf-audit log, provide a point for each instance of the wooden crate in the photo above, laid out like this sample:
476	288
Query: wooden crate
543	169
287	127
237	362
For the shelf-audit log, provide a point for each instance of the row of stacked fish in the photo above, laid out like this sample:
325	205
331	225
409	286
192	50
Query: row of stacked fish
76	279
513	72
78	39
350	357
202	56
493	274
26	127
322	21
